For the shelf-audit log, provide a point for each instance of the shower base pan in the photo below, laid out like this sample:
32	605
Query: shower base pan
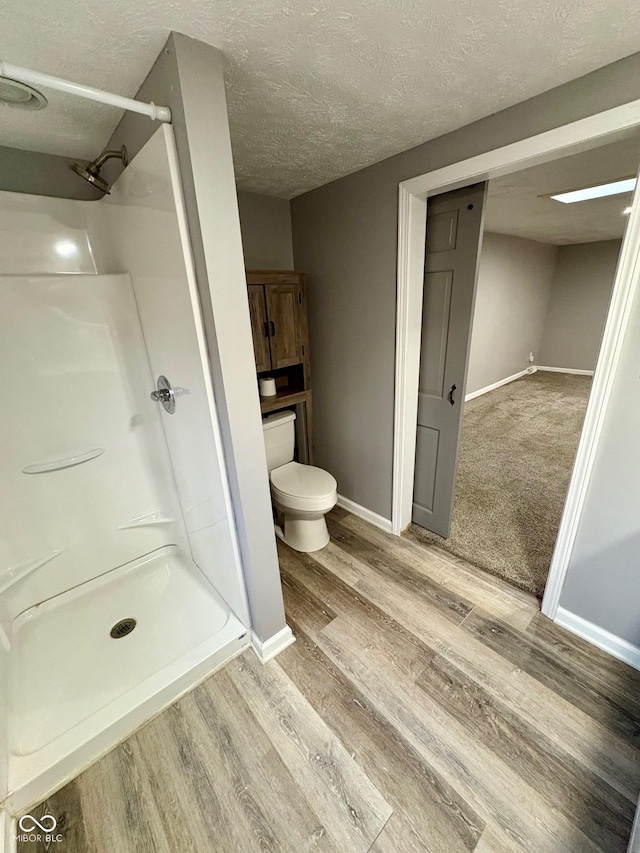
92	664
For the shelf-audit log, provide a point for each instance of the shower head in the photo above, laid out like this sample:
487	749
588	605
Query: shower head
90	172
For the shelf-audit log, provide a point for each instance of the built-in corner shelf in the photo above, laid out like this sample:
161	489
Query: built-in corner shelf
147	520
16	573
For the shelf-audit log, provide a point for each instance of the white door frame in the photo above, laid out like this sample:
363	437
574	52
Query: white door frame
412	216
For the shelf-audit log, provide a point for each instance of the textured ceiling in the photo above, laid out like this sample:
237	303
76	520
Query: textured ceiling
514	205
316	88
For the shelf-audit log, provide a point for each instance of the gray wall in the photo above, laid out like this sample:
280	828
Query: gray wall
188	77
578	306
42	174
512	295
265	223
533	297
345	236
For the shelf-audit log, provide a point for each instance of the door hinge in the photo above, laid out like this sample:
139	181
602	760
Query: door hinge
300	298
303	350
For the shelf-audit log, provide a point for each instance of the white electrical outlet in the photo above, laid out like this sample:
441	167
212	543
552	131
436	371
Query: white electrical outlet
531	357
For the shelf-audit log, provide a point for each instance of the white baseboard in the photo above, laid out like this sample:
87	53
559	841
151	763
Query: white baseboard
274	645
566	370
605	640
495	385
365	514
529	370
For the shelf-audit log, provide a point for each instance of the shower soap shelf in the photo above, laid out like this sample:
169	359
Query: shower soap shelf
7	580
149	518
57	464
17	573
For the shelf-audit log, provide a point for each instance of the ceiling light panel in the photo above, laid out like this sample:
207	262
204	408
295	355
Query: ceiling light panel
601	191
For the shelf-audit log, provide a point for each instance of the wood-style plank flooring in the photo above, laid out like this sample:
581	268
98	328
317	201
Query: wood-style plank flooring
426	706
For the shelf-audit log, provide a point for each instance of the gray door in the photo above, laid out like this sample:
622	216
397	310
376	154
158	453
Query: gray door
454	238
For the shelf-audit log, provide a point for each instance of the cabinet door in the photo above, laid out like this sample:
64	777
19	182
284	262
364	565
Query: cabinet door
259	327
283	305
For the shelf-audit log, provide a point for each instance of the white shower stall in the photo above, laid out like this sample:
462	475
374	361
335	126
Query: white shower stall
120	579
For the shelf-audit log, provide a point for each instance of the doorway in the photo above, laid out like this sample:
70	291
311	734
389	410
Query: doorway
542	287
413	194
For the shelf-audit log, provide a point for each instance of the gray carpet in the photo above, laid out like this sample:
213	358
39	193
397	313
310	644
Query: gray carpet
517	450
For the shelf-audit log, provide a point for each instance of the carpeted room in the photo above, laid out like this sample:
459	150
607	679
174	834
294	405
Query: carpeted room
517	448
544	282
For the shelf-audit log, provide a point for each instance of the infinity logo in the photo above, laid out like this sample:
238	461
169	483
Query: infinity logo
28	823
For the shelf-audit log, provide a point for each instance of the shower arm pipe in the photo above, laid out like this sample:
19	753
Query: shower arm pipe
37	78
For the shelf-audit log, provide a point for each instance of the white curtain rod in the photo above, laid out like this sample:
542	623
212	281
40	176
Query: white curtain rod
37	78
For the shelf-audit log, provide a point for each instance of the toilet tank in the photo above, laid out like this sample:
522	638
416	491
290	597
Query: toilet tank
279	438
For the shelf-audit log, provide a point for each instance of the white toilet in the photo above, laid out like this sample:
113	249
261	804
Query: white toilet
302	493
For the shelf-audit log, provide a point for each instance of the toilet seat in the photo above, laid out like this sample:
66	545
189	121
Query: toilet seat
303	487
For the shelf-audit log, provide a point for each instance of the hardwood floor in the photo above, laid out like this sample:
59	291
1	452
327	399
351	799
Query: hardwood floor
426	706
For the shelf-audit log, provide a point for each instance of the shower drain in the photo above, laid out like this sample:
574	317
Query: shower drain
122	628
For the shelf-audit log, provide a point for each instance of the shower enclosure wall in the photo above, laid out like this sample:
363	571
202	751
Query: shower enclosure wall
120	578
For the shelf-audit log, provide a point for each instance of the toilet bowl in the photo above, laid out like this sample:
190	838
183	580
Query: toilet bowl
303	494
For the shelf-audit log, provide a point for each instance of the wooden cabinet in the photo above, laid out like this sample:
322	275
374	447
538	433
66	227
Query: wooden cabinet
275	324
278	309
283	308
259	327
